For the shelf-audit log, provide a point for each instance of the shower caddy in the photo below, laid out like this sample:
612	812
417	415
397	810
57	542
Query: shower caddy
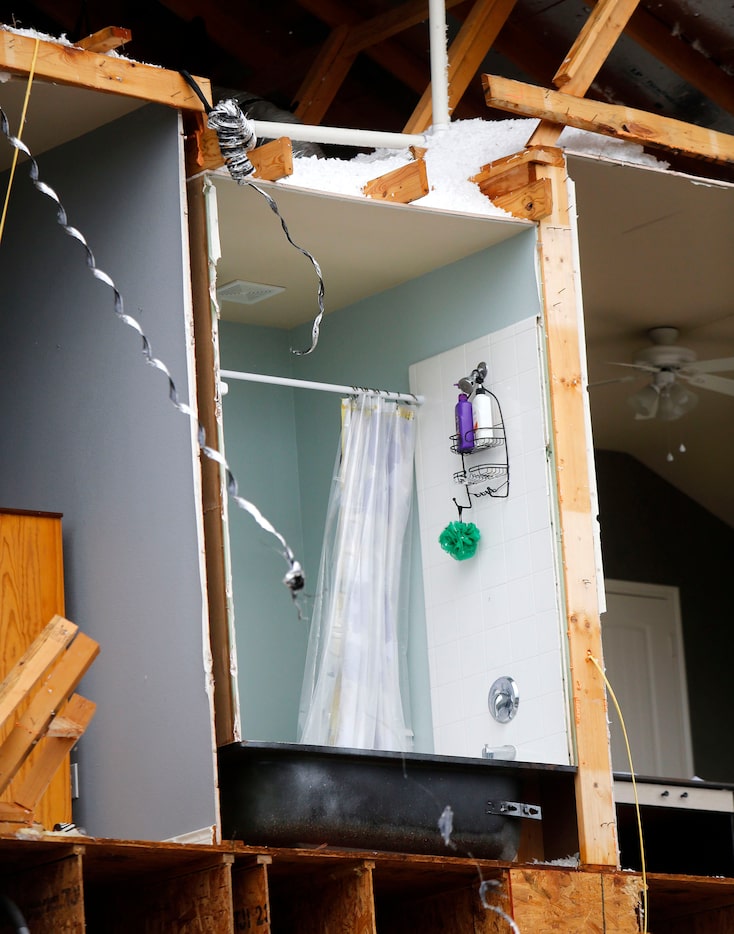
495	473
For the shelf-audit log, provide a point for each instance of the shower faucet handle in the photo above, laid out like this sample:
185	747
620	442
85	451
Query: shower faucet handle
504	699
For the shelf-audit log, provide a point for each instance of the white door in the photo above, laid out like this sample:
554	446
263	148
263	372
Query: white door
643	656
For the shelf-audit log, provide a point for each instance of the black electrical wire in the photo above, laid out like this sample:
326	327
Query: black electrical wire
14	915
294	578
236	135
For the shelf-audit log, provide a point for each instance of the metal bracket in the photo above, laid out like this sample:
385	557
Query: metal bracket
514	809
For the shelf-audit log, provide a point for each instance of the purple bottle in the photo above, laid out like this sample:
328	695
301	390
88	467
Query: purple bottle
464	425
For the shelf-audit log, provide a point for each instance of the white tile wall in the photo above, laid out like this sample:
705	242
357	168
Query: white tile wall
497	613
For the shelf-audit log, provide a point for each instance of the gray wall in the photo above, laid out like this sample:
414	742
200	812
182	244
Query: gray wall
371	343
87	430
652	533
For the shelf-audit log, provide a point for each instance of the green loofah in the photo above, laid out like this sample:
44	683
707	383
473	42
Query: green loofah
460	540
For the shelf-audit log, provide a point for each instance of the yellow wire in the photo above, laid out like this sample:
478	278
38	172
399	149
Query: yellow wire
591	658
20	133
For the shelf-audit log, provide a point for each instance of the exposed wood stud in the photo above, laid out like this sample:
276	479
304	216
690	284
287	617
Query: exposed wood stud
594	783
635	126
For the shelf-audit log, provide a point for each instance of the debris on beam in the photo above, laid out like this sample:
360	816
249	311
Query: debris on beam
401	186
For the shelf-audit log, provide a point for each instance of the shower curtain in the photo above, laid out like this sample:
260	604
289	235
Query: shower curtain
351	693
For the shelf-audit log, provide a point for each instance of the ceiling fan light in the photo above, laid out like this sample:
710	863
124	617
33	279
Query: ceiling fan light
645	401
675	402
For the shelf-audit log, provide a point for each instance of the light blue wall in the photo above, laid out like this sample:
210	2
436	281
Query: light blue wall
371	343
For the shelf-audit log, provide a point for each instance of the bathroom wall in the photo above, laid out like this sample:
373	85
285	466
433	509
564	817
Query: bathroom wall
496	613
372	343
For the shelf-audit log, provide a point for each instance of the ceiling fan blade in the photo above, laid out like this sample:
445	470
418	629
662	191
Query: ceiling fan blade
618	379
648	368
714	383
723	365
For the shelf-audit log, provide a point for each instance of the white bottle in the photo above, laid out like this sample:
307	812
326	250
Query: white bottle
483	417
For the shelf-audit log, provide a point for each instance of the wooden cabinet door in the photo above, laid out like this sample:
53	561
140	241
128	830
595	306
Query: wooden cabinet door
31	592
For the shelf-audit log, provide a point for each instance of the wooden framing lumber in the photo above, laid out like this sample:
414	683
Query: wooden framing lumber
588	53
74	663
634	126
213	494
593	44
474	40
594	783
36	661
402	185
51	753
104	40
80	68
272	160
514	183
324	78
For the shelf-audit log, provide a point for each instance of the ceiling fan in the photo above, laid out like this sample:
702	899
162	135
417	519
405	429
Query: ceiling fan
672	366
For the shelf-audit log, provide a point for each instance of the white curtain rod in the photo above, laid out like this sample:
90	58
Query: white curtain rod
324	387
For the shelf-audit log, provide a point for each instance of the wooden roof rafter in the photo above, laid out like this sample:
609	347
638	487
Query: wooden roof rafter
79	67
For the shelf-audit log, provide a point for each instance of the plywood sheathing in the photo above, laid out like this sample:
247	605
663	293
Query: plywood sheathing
575	902
110	74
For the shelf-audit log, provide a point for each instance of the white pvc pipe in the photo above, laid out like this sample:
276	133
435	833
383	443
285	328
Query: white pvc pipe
343	136
439	64
324	387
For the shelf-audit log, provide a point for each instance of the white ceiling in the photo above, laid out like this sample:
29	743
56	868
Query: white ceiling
656	249
55	114
363	247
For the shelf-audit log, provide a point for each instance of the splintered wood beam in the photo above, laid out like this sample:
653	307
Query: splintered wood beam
593	44
402	185
634	126
51	752
104	40
473	41
31	667
50	696
324	78
79	68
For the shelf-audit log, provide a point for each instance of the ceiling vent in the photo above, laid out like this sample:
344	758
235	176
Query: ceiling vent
247	293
